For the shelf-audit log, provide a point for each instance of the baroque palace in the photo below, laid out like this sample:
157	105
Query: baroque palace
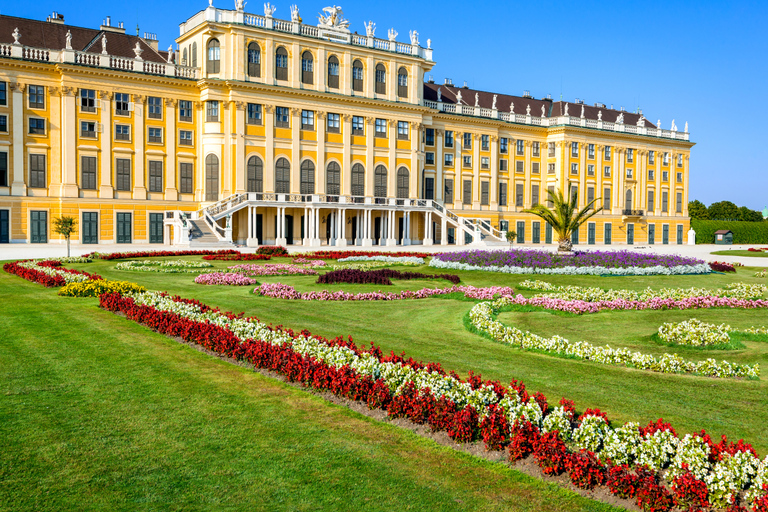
258	130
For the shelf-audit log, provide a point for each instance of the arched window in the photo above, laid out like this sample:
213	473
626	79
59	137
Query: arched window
281	64
402	83
211	178
307	177
358	180
282	176
184	61
193	56
628	200
357	76
333	72
307	68
214	56
402	183
380	181
254	60
255	174
333	179
381	79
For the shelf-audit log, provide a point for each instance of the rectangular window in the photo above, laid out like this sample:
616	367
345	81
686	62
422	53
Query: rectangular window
334	123
630	155
358	125
308	120
502	194
629	174
3	93
607	232
154	107
38	227
381	128
485	162
590	196
122	104
155	176
122	132
679	234
665	234
534	195
123	228
87	100
254	113
448	138
88	129
155	135
282	119
664	175
429	158
467	161
520	229
574	168
36	126
651	157
574	149
448	160
650	174
484	193
575	192
88	172
185	137
536	232
520	144
185	178
590	170
3	123
37	171
591	233
503	164
679	202
607	199
679	176
607	171
664	201
679	160
3	168
123	174
185	111
519	166
551	149
519	194
503	145
591	151
36	96
485	142
449	191
665	160
649	203
429	135
550	168
467	198
212	111
467	141
607	153
550	191
535	149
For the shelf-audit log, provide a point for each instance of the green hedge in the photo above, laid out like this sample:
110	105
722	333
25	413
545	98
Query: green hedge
743	232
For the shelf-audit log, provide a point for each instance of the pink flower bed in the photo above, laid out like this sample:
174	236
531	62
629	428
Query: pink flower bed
272	269
311	263
284	291
580	307
229	278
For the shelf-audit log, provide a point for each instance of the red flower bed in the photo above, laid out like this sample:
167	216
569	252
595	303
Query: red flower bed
719	266
585	469
272	250
236	256
335	255
381	276
757	249
36	276
154	254
690	493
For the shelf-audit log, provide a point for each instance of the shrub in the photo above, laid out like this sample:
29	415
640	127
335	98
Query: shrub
719	266
155	254
272	250
743	232
95	288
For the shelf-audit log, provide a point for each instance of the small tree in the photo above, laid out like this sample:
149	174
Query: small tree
65	226
564	216
511	235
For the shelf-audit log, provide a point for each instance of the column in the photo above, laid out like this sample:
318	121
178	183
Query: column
475	172
295	150
200	161
316	231
367	240
439	161
428	228
252	241
226	151
305	224
240	147
416	156
391	160
391	240
341	235
269	147
281	227
320	168
346	164
493	193
171	192
443	231
407	228
582	174
139	189
18	187
69	144
106	189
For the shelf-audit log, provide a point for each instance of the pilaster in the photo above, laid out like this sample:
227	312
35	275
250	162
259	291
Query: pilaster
320	179
439	161
346	165
171	191
493	193
476	171
269	148
415	168
18	184
69	143
240	147
295	150
106	189
139	188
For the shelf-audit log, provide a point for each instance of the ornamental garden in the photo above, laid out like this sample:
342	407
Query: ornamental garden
631	379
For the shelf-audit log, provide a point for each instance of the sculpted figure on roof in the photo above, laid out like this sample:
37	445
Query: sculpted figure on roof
458	97
333	18
620	119
495	96
69	40
439	94
370	29
477	99
239	5
566	110
511	107
269	10
414	38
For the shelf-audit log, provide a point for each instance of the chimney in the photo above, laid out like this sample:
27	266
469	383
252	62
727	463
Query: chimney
107	26
465	85
431	79
55	17
151	40
448	81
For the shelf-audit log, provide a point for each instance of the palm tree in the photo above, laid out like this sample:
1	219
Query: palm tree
65	225
564	216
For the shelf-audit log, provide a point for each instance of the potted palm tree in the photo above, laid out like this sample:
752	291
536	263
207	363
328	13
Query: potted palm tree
564	216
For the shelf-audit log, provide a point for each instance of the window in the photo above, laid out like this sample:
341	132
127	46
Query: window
212	111
550	191
651	157
123	221
502	194
607	153
607	199
503	145
123	174
574	168
679	160
536	232
87	100
429	135
358	180
503	164
664	201
607	230
485	142
550	168
333	72
574	149
630	155
185	137
651	174
448	138
254	60
484	186
402	182
429	158
155	176
381	79
381	127
88	129
679	177
467	161
155	107
402	130
665	159
649	205
282	176
307	177
37	173
3	168
467	196
402	83
333	179
380	181
185	111
535	148
214	56
664	175
485	162
590	196
307	120
254	113
679	202
38	227
535	168
448	160
607	171
551	149
185	178
358	125
193	55
519	194
467	141
282	119
575	192
36	96
449	191
122	104
590	170
3	123
591	151
628	200
88	172
3	93
520	147
307	68
629	174
534	195
255	174
357	76
155	135
281	64
122	132
334	123
36	126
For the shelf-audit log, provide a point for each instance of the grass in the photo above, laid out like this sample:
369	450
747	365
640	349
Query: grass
742	252
97	413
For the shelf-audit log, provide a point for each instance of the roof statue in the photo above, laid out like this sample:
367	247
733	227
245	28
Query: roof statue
240	5
477	99
686	127
620	119
511	107
439	94
104	44
528	110
16	35
641	121
543	111
658	124
295	14
69	41
138	51
414	37
458	97
674	126
429	44
582	111
269	10
333	18
495	96
210	4
566	110
599	115
370	29
392	34
170	54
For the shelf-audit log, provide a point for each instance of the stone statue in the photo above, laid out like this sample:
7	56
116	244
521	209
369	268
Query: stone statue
104	44
528	110
494	101
458	97
658	124
138	51
477	99
566	111
269	10
392	34
333	18
69	40
599	115
16	35
511	107
674	126
439	94
170	54
686	127
620	119
429	44
414	37
295	13
582	111
239	5
370	29
543	111
641	121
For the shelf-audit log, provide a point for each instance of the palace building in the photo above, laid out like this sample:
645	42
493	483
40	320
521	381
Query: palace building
258	130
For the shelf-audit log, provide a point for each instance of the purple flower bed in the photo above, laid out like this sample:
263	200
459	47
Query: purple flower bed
543	259
382	276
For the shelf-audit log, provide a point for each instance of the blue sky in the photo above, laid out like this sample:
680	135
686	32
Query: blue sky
702	61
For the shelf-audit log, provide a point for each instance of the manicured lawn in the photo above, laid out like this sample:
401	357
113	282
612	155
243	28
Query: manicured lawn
751	254
98	413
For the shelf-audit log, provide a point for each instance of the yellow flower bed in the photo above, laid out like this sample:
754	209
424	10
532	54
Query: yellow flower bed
93	288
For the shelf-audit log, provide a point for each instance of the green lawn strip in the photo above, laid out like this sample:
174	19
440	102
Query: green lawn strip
741	252
98	413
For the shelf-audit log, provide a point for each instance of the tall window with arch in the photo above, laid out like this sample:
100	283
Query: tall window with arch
307	176
211	178
358	181
628	200
184	58
381	79
402	83
333	179
402	183
213	64
357	76
255	181
380	182
333	72
307	68
281	64
282	176
254	60
193	55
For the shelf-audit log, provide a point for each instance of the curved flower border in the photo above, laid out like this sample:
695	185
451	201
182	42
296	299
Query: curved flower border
701	268
288	292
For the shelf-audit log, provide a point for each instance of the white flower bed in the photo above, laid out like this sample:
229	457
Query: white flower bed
55	271
701	268
393	260
168	266
694	333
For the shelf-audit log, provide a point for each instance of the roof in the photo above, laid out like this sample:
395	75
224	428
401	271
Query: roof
723	231
53	36
505	101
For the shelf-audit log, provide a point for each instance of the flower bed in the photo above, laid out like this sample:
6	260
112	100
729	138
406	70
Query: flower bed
95	288
236	256
721	266
383	276
310	263
529	261
156	254
225	278
761	273
49	273
633	462
284	291
272	250
482	318
394	260
273	269
694	333
335	255
167	267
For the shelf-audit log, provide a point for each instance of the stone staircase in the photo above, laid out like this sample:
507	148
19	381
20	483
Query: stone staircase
200	235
